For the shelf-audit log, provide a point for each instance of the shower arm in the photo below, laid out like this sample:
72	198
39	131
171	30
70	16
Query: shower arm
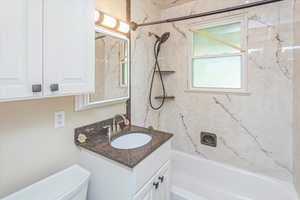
134	25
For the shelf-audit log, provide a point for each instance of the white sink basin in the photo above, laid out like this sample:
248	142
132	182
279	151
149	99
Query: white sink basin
131	141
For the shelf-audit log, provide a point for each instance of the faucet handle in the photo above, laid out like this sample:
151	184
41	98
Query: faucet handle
109	128
126	122
109	132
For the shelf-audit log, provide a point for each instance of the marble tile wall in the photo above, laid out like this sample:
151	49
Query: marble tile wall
143	62
254	130
297	95
168	3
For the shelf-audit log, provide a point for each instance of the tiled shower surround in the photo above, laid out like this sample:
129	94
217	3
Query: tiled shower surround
254	130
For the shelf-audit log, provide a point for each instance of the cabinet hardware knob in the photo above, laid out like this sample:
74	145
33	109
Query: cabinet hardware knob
37	88
54	87
156	185
161	178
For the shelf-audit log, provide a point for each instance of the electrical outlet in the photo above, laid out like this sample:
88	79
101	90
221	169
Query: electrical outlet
59	119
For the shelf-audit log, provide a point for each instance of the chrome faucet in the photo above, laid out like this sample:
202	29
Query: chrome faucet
115	127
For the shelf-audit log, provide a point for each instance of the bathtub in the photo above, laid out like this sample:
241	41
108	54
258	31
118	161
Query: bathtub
195	178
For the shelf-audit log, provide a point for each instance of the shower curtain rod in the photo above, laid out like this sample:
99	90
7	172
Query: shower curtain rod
134	25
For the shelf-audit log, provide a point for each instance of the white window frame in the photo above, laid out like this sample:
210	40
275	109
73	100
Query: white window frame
122	71
244	55
121	76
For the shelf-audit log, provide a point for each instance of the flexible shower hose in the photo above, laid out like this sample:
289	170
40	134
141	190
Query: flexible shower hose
157	66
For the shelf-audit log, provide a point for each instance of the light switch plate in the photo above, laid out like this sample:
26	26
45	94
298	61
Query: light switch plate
59	119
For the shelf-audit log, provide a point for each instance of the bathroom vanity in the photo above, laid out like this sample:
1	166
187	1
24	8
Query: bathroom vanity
140	173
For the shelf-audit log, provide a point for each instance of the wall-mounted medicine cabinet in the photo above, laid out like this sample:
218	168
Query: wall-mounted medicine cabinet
46	48
112	78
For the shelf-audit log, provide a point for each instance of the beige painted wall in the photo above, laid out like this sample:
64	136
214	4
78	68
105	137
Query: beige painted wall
30	148
116	8
297	97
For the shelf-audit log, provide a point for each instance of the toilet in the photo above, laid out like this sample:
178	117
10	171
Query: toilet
69	184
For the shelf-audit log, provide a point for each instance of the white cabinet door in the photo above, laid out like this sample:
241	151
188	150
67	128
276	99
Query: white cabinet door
20	48
158	188
69	52
149	192
164	187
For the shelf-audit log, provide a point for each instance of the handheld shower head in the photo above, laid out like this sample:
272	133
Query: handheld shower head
161	39
164	37
157	45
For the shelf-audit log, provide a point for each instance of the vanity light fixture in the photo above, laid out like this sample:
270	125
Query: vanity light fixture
97	15
107	21
123	27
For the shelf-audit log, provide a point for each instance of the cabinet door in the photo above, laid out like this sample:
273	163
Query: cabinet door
148	192
148	195
158	188
20	48
164	187
69	47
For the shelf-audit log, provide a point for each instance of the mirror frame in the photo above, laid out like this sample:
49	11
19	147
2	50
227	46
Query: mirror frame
82	102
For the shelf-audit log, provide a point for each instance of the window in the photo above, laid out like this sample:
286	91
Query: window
124	73
218	57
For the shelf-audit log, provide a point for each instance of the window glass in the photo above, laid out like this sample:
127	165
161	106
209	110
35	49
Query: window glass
125	74
216	65
230	33
223	72
124	65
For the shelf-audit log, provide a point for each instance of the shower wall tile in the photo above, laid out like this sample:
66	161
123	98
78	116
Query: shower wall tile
142	62
297	95
168	3
254	130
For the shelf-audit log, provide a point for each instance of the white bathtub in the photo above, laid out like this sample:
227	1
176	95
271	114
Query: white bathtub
195	178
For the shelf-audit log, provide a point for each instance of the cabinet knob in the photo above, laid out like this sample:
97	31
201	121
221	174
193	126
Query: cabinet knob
161	178
37	88
156	185
54	87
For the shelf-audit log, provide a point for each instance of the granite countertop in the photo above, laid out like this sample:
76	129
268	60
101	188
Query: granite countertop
97	142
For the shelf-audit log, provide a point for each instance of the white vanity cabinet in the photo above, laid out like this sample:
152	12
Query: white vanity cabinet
158	187
46	48
149	180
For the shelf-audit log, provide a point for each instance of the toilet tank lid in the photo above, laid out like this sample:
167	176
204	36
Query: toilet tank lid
54	187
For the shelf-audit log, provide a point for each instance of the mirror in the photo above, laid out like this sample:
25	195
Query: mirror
111	73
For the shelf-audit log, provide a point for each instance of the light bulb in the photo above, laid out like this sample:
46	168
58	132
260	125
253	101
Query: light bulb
109	21
97	15
123	27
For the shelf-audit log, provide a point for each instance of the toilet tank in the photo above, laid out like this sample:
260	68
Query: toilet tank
69	184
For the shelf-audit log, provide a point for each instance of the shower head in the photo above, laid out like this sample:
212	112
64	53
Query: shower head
161	39
164	37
